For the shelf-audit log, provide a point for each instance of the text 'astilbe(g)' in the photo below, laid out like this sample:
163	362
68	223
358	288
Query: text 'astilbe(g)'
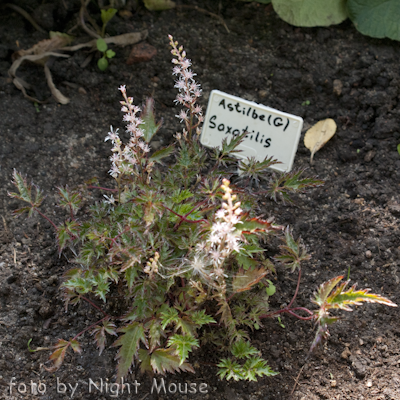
176	247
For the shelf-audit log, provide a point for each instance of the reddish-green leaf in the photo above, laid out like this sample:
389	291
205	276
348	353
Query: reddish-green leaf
165	360
129	342
244	280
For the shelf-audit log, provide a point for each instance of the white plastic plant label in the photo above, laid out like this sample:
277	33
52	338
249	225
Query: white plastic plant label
270	132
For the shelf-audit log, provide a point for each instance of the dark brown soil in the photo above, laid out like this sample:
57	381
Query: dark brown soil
349	225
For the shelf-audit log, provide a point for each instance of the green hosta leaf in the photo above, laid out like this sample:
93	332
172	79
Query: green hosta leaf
243	349
230	370
165	360
309	13
256	366
106	15
101	45
201	318
149	127
160	154
376	18
133	334
159	5
183	344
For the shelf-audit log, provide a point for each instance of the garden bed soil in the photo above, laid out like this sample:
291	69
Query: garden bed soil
350	225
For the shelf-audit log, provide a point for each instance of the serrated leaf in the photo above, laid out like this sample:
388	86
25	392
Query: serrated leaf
158	155
169	316
310	13
99	333
376	18
149	127
76	347
256	366
229	369
293	253
342	300
129	342
200	318
255	225
325	289
183	345
244	280
243	349
165	360
57	357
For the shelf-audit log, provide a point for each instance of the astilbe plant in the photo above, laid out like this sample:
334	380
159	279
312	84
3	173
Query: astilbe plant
181	246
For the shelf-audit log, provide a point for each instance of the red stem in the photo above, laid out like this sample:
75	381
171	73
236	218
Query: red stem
46	218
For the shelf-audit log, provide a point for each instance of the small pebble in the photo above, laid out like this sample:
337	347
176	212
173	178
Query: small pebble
368	254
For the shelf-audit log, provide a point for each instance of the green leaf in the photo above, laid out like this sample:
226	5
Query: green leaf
271	289
110	53
200	318
159	5
256	366
230	370
183	344
106	16
180	195
170	315
101	45
149	127
243	349
255	225
165	360
133	334
102	64
293	253
342	300
309	13
376	18
398	148
158	155
325	289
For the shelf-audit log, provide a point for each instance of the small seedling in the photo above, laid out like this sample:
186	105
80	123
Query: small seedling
102	63
306	103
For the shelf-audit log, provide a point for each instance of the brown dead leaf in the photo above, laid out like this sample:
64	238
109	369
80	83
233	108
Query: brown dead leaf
318	135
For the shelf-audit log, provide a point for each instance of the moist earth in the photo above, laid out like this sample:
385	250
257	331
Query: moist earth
350	225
